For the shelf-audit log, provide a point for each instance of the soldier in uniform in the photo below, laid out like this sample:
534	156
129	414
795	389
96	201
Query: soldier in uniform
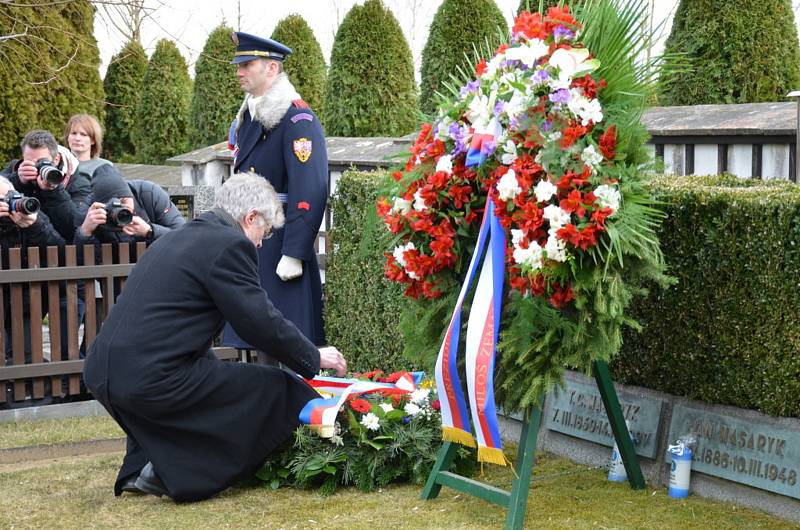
276	135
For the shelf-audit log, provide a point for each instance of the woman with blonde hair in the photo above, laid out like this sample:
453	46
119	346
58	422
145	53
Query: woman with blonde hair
84	136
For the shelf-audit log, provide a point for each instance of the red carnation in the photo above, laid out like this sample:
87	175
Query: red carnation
360	405
569	233
481	68
530	25
436	404
382	207
608	143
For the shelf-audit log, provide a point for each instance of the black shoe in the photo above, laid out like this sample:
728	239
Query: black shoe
148	482
130	486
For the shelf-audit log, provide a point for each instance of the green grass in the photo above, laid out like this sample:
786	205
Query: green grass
76	493
27	433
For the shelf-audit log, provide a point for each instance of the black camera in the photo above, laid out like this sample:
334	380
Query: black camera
117	215
49	172
17	202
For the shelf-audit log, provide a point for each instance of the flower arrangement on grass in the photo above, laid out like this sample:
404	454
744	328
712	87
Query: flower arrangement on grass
547	127
379	439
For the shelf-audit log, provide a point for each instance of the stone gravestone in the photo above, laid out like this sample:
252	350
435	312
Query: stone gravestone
577	410
759	454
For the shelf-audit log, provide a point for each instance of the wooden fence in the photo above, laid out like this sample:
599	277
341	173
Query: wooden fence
34	285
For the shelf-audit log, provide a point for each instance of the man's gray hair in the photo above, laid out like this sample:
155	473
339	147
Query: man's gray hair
245	191
4	180
40	138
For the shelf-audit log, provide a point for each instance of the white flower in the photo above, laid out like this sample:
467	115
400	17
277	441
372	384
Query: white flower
591	157
401	206
572	63
445	163
587	110
478	111
419	396
544	190
400	250
411	409
493	65
509	153
508	187
555	248
607	196
516	236
528	53
556	216
371	421
419	202
518	104
386	407
531	256
443	128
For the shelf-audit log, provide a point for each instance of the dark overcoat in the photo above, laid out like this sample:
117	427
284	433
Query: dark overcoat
203	423
288	149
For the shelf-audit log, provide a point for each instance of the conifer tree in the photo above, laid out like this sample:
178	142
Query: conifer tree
458	28
163	110
738	51
534	5
217	95
306	65
48	69
123	84
371	89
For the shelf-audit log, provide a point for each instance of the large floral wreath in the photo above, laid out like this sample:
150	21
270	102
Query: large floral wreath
548	130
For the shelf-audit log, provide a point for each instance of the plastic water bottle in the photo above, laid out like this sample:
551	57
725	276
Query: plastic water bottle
680	470
616	469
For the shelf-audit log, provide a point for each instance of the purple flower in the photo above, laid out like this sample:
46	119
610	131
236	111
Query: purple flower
547	125
562	33
540	76
472	86
406	419
457	133
499	107
560	96
487	148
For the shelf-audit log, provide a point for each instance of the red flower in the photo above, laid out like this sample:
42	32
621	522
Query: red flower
436	404
480	68
360	405
599	216
382	207
393	271
373	374
608	143
394	223
430	291
572	134
588	237
560	16
460	195
561	296
573	203
570	234
529	25
420	222
438	180
397	175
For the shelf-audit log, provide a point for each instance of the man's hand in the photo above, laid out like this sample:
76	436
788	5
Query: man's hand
330	357
23	220
27	171
289	268
138	227
44	185
95	217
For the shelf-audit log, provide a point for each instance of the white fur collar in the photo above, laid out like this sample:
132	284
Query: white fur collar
273	105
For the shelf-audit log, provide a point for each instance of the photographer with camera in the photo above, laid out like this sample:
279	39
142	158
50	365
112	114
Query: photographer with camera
126	211
46	172
22	224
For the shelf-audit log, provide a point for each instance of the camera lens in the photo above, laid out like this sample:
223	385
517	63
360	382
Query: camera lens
123	217
51	175
26	205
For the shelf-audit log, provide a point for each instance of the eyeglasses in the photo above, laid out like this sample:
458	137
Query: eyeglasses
267	235
268	232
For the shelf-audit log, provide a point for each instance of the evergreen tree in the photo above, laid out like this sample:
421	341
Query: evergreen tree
459	27
738	51
163	109
123	85
217	95
371	89
306	65
48	69
534	5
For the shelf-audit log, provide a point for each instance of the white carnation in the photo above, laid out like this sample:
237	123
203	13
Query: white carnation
608	196
556	216
419	202
411	409
508	187
528	53
544	190
531	256
555	248
401	206
445	163
591	157
419	396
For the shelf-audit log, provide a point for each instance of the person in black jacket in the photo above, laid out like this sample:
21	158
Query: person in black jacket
195	424
18	229
63	203
154	214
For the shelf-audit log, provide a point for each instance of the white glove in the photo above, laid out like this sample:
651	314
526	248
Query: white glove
289	268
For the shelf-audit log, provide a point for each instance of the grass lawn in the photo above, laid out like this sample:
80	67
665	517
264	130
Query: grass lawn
76	493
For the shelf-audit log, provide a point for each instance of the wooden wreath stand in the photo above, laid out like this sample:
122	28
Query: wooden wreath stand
516	500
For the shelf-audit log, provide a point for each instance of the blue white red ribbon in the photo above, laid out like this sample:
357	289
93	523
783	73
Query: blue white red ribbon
320	414
482	331
482	144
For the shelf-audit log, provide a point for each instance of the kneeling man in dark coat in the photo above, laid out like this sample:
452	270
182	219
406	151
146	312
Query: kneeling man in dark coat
195	424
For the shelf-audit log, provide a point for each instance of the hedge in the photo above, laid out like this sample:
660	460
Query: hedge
123	84
361	306
727	332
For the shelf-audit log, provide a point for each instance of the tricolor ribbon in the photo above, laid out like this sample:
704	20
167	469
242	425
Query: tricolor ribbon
320	413
483	136
482	332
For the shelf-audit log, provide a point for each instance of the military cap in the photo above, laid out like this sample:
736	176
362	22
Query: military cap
249	47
